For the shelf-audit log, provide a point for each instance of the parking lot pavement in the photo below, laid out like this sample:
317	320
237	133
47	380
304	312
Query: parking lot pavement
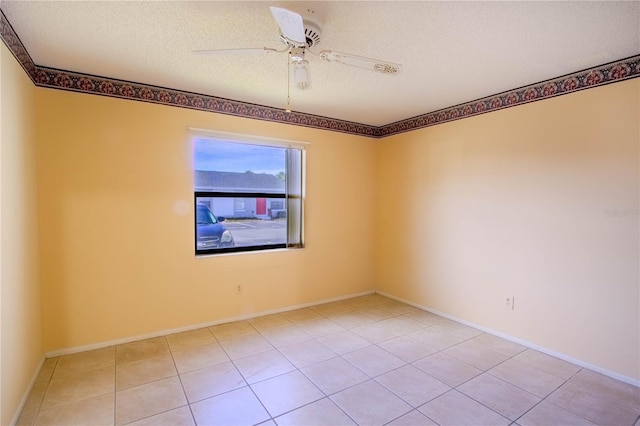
253	232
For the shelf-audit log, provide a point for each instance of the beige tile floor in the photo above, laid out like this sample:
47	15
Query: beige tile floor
368	360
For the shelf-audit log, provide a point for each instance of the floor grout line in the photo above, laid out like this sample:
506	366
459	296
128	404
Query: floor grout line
372	310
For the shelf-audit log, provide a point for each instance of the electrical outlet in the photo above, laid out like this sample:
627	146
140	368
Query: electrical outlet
509	303
239	289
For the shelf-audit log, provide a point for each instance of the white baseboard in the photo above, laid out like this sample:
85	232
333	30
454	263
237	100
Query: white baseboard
604	371
101	345
23	401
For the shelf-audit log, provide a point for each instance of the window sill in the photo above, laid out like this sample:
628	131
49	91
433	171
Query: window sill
245	252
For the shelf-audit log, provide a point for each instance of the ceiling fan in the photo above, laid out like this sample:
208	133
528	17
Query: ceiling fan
299	36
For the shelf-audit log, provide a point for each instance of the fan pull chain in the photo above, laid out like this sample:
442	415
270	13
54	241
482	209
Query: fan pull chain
288	107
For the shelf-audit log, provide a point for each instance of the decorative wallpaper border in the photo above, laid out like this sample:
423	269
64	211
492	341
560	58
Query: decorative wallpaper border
77	82
623	69
12	41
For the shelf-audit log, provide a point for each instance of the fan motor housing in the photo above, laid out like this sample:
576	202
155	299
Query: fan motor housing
312	32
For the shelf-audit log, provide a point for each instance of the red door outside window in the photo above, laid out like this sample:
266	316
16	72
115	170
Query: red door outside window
261	206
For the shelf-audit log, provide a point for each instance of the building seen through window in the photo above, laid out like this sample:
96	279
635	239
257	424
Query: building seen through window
247	197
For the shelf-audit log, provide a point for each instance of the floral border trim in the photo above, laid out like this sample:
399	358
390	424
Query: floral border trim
77	82
604	74
623	69
12	41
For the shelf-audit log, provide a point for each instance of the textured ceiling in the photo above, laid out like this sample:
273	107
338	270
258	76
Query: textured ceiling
451	52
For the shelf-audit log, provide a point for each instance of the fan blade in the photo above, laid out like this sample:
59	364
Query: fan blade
241	51
361	62
290	24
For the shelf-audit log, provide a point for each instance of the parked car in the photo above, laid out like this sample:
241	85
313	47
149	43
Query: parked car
210	233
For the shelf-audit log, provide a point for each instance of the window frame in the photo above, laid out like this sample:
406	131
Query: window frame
293	199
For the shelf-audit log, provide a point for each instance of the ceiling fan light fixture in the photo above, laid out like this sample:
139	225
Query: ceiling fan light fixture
297	54
299	35
301	75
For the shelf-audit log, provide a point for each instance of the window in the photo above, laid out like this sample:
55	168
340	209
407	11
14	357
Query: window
247	196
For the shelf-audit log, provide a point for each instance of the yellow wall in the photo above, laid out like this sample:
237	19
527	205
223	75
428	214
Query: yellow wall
117	248
455	217
20	309
513	203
